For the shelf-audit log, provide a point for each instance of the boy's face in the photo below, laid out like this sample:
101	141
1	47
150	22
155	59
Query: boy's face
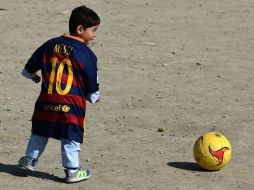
87	34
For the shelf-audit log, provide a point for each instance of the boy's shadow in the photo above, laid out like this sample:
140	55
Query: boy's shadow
16	171
186	166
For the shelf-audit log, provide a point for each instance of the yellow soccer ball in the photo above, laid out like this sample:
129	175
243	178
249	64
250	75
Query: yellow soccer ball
212	151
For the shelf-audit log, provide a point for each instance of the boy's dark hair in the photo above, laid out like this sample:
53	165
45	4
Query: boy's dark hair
82	16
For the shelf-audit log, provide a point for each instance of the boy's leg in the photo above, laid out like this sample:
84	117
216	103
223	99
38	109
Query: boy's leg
70	153
70	161
35	148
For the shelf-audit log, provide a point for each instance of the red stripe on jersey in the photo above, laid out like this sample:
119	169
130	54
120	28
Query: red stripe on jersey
66	99
60	57
58	117
77	81
44	58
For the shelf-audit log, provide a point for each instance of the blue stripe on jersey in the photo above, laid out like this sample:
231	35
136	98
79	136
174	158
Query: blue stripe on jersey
74	89
58	130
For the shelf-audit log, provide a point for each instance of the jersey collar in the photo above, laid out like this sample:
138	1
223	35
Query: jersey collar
74	37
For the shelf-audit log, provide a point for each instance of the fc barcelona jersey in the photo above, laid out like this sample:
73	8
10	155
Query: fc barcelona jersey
69	73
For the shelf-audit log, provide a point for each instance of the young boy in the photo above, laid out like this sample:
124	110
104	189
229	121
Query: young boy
69	78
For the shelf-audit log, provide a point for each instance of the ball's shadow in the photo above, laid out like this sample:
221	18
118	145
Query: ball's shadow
190	166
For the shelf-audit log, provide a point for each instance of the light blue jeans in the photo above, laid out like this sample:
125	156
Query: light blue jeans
70	150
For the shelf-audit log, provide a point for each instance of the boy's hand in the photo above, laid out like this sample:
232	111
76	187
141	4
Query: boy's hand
36	78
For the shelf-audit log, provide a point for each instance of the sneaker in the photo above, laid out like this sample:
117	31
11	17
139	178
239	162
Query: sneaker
27	163
79	175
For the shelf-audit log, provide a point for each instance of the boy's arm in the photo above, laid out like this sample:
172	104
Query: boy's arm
34	77
93	97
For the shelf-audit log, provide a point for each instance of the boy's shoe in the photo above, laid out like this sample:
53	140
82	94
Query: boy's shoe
28	163
79	175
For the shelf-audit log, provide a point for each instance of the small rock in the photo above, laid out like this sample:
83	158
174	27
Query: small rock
65	12
148	44
88	160
161	130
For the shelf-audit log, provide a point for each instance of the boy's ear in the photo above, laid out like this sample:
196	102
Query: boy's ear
79	29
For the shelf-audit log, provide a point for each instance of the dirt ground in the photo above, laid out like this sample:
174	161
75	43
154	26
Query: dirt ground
184	66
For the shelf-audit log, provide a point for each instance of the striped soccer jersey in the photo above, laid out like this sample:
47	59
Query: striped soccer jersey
69	74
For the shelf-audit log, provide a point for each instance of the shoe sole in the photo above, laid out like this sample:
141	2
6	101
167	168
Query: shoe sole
29	168
77	180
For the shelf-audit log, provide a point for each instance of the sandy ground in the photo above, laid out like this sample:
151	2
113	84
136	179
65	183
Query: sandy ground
185	66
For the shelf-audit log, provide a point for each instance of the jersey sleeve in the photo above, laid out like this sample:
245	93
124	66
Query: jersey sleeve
91	75
35	62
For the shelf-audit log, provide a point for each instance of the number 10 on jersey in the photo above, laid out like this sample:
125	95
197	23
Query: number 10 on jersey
58	72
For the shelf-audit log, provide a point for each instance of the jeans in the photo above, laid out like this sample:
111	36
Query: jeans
70	150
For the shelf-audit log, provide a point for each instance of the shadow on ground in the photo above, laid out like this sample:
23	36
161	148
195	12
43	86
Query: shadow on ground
191	166
16	171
